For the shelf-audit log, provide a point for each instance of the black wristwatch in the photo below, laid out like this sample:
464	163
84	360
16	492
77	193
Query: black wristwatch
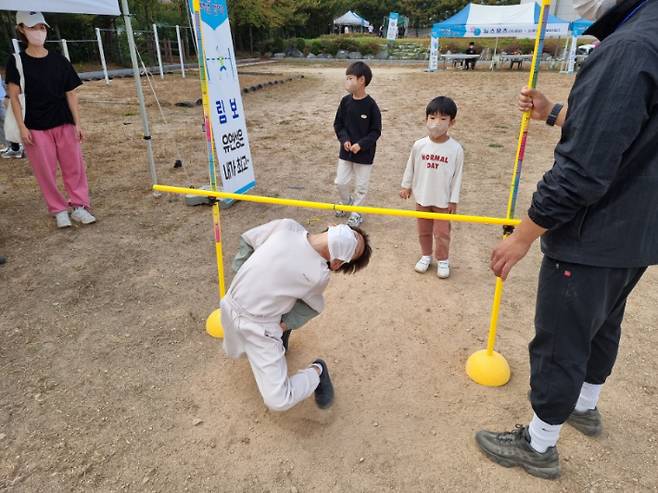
552	116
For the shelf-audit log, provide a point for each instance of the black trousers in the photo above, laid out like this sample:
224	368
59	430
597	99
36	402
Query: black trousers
578	320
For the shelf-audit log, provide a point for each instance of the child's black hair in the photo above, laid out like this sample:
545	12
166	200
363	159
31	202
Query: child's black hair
442	105
360	69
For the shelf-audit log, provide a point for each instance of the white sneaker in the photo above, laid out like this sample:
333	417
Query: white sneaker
63	220
8	153
423	264
81	215
443	269
355	220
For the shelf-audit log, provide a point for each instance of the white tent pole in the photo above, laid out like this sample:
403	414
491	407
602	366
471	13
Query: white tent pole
180	52
17	48
65	49
102	54
140	93
157	50
565	55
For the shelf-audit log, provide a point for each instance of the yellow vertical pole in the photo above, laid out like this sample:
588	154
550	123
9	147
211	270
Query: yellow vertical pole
214	321
487	367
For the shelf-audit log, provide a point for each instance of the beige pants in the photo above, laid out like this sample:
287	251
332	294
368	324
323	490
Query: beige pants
260	341
429	229
345	173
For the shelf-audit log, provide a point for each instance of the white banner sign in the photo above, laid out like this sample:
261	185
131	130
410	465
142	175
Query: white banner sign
227	112
572	55
434	54
392	33
99	7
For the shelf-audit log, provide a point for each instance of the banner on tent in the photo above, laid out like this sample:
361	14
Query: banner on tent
98	7
392	33
497	31
227	111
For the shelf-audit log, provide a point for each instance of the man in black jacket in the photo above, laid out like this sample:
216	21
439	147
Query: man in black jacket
597	213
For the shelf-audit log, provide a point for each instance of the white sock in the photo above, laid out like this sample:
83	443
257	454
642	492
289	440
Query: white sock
426	257
543	435
589	397
318	366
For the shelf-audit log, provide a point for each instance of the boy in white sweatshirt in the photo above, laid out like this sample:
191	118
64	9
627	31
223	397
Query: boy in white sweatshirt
434	176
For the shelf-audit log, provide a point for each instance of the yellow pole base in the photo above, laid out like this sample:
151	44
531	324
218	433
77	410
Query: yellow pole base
487	369
214	325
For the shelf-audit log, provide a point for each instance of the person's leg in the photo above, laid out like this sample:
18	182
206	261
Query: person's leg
425	227
344	174
266	356
441	231
42	154
69	155
362	179
233	343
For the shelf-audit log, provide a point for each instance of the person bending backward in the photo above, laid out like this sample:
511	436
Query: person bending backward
282	271
597	213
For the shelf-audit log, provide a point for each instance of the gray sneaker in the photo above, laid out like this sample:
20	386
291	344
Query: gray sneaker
343	213
588	422
355	220
513	448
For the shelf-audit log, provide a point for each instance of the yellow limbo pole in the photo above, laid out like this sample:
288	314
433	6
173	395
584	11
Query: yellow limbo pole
214	321
487	367
381	211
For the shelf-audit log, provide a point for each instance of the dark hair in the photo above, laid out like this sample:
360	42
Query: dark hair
21	35
442	105
360	69
364	259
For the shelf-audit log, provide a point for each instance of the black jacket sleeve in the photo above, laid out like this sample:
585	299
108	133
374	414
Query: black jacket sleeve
609	104
375	129
339	124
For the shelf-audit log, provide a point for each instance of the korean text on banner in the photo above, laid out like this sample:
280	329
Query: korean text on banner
227	112
434	51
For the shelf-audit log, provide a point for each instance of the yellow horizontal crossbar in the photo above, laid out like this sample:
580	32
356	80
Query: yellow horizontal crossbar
381	211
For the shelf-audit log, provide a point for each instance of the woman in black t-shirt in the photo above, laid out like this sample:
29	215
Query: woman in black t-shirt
51	130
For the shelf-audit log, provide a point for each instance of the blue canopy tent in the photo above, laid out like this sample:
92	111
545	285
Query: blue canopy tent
577	28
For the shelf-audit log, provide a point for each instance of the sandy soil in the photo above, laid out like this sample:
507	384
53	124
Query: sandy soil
108	381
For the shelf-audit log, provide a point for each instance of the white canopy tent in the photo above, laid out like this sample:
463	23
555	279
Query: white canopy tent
97	7
350	18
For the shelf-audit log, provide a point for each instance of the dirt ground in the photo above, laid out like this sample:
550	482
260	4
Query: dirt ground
108	381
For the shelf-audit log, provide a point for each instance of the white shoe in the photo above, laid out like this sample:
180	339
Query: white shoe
443	269
81	215
63	220
423	264
355	220
8	153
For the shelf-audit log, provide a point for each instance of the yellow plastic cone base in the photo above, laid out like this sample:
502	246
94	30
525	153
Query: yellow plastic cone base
486	369
214	325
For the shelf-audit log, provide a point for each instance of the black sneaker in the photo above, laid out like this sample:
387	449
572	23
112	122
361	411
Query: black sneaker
284	338
324	393
513	449
587	422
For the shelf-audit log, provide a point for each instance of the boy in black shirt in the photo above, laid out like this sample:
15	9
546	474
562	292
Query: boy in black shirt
358	125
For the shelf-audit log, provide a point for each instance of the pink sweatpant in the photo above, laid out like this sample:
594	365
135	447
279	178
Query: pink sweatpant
47	148
440	230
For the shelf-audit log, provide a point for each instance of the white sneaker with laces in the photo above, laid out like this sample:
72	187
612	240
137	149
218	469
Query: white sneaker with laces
63	220
443	269
355	220
82	215
423	264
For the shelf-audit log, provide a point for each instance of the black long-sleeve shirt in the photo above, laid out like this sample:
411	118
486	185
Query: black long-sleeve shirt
358	121
600	199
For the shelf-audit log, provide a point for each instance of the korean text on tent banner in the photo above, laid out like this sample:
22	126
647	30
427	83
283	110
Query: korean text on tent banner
392	32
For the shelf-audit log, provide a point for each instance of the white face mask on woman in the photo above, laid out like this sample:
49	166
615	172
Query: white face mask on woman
593	9
36	37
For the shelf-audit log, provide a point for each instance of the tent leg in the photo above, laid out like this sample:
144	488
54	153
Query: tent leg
493	57
140	93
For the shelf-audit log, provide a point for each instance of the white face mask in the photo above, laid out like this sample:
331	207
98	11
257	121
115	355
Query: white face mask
593	9
36	38
342	243
437	129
